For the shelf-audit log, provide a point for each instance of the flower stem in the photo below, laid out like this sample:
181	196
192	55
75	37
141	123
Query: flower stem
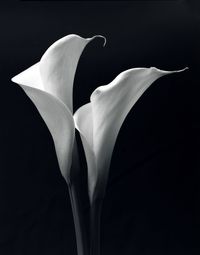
78	221
95	220
74	188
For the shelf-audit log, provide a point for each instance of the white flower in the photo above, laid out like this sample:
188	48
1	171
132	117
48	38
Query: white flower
100	120
49	84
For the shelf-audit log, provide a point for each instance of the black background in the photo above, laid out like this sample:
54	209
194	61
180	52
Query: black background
152	200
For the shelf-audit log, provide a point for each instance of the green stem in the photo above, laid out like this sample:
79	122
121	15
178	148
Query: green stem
95	220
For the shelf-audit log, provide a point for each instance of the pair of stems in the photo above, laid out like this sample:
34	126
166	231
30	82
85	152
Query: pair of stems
82	241
80	226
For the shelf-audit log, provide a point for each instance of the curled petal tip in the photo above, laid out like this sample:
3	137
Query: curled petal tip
99	36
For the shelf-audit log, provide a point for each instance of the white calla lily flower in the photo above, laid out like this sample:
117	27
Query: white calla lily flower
100	120
49	84
99	123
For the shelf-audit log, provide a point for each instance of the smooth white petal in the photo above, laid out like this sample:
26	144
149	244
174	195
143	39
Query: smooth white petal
104	117
30	77
82	117
56	70
58	66
59	121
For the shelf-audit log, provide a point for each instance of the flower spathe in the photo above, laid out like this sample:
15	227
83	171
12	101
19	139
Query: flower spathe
59	121
100	120
49	84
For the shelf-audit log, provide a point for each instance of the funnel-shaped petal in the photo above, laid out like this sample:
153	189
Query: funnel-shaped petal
56	70
100	120
59	121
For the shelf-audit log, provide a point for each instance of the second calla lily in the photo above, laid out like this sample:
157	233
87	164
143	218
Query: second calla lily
100	120
99	123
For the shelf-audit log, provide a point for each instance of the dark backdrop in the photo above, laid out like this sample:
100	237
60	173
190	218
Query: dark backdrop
152	200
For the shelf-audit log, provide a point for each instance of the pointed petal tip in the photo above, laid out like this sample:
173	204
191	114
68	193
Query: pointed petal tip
16	79
13	79
29	77
174	71
182	70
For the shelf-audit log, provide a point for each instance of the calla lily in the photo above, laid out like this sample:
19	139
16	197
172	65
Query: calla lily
99	123
51	79
49	84
100	120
